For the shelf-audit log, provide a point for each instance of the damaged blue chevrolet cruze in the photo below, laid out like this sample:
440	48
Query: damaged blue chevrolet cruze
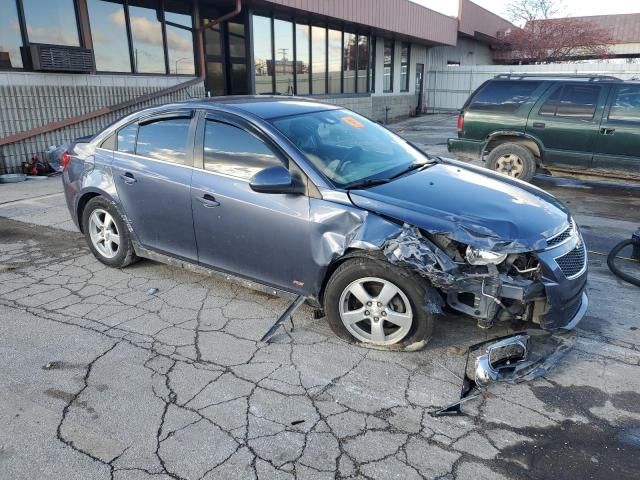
317	201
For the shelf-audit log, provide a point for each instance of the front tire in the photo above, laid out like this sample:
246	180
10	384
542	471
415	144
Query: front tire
374	303
106	233
513	160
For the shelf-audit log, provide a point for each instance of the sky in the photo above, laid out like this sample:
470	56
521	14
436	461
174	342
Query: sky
571	7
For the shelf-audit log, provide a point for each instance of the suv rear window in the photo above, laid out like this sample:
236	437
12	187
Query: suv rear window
572	101
503	95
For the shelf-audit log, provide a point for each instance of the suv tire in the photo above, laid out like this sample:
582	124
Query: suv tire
102	225
513	160
399	319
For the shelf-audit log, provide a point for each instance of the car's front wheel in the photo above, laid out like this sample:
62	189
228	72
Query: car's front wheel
106	233
372	302
514	160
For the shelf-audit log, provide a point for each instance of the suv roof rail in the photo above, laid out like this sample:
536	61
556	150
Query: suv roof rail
553	76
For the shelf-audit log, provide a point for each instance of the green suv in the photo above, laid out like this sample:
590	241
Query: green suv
584	126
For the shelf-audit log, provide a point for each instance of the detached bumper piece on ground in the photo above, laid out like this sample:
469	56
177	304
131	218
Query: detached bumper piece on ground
512	359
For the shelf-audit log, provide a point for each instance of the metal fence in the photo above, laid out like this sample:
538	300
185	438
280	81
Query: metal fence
448	88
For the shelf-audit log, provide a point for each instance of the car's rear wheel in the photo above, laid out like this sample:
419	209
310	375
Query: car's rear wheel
106	233
372	302
514	160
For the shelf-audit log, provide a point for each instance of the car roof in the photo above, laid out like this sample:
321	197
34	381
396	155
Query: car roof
264	106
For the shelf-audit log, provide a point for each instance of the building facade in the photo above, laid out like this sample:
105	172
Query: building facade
69	67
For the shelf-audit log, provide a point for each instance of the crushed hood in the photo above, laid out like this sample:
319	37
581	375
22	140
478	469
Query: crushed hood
471	205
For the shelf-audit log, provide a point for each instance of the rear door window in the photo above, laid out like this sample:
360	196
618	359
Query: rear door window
578	101
127	138
232	151
165	139
626	105
503	95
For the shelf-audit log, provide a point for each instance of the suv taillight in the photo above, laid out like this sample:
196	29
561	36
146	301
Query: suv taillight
64	160
460	122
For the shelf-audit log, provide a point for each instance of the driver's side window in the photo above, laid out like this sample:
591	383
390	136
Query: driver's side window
230	150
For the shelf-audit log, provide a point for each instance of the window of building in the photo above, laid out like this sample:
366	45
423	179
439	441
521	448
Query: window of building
302	59
318	60
405	52
627	104
213	43
148	46
164	140
503	96
53	22
349	62
10	39
335	61
109	35
572	101
363	63
284	62
229	150
179	40
127	138
262	54
387	74
236	40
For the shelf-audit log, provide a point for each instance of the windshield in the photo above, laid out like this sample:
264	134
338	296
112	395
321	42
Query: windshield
347	148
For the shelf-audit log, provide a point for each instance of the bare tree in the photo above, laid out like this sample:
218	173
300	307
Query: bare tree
540	38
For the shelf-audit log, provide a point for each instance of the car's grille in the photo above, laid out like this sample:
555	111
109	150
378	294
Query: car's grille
561	237
573	262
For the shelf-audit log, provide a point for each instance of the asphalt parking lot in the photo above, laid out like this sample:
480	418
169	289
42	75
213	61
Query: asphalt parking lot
153	372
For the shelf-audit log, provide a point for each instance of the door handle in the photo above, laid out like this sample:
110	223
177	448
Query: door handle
208	201
539	125
607	131
128	178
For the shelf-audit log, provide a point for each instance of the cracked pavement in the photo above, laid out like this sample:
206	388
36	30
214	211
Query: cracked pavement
104	377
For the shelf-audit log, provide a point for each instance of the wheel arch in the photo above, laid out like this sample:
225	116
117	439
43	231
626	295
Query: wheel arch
84	198
520	138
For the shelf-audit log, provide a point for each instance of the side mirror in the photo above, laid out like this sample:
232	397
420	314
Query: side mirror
275	180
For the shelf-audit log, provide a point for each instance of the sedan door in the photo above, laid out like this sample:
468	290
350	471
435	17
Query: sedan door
618	147
261	236
152	169
566	120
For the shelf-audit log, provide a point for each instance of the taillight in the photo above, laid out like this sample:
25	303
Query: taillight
64	160
460	122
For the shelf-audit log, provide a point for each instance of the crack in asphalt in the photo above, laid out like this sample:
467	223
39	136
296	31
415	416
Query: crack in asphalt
305	402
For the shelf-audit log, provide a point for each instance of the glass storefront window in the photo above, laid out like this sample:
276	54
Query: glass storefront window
387	74
213	45
363	63
302	59
318	60
236	40
53	21
148	48
10	40
349	62
404	67
179	44
335	60
109	34
263	62
284	64
215	78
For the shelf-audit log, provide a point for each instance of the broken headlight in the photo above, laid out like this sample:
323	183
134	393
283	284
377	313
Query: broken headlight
478	256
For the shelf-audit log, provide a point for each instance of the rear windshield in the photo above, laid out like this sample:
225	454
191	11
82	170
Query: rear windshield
503	95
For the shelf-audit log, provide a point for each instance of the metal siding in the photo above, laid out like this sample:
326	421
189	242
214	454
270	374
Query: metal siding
448	88
474	18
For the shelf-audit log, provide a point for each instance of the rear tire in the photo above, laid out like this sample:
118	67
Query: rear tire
106	233
513	160
391	308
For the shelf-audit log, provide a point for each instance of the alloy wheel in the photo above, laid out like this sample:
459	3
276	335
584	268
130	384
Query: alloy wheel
510	164
375	311
104	233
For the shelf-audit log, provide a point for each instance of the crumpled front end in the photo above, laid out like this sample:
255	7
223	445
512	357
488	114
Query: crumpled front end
544	287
